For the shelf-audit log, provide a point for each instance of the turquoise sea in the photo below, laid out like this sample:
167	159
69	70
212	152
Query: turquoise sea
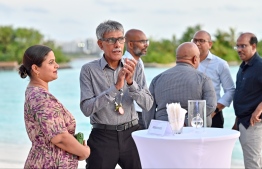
13	136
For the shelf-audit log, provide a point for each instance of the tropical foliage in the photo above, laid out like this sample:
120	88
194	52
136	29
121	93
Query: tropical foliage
163	51
14	42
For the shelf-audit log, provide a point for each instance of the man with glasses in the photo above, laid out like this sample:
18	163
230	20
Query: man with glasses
248	100
180	84
136	46
218	70
109	87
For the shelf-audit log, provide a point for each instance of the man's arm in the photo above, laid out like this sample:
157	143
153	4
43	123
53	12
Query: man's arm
90	102
139	90
209	95
149	115
228	87
256	115
219	108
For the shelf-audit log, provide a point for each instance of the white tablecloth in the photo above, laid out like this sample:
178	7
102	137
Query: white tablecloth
204	148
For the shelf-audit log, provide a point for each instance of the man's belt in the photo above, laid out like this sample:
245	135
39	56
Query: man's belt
120	127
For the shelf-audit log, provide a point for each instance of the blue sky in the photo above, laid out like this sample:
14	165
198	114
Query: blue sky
66	20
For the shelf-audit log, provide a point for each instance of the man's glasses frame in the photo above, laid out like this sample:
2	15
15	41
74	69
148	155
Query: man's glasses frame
144	42
201	41
242	46
112	41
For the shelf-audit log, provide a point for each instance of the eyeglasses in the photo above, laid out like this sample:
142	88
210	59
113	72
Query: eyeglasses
201	41
112	41
144	42
240	47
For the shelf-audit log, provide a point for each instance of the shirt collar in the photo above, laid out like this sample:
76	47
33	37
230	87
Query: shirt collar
104	62
185	64
251	61
128	55
209	56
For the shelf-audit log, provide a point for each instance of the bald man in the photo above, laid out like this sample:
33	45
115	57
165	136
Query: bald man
180	84
136	46
248	100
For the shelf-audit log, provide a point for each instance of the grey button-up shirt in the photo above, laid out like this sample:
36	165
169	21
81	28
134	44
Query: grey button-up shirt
98	93
180	84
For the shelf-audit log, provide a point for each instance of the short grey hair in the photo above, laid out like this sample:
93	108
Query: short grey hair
108	26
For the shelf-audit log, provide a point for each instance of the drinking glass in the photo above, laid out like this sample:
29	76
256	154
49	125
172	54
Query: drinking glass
197	113
177	125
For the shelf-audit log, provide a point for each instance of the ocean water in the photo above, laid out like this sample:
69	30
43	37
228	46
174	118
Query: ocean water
13	136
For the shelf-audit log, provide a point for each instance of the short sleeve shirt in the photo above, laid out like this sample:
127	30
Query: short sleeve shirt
45	117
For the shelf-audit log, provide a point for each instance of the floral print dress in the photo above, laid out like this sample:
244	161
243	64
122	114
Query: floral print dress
45	117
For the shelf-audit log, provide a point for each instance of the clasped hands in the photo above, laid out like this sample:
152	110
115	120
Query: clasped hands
126	73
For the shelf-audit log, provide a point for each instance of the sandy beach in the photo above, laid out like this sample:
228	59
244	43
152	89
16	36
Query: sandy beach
14	156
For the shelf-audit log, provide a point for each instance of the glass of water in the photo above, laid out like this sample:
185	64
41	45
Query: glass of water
197	113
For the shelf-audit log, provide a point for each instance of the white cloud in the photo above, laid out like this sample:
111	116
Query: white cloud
68	20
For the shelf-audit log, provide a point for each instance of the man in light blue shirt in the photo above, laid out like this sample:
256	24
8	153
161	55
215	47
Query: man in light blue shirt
136	46
218	70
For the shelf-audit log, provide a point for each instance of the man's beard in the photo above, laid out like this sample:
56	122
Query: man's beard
139	52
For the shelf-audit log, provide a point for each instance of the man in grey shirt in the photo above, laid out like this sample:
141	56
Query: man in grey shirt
108	88
180	84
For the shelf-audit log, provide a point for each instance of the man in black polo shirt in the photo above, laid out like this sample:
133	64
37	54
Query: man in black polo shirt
248	100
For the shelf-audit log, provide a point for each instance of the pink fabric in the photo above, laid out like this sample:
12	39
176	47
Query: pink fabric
45	117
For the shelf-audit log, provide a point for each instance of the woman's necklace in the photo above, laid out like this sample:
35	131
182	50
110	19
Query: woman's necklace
118	106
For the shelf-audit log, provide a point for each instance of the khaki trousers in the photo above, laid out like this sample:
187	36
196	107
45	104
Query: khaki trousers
251	142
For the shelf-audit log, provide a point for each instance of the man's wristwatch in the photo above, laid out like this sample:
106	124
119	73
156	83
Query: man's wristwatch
217	110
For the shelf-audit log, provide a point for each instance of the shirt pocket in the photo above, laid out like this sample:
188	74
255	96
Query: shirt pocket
248	84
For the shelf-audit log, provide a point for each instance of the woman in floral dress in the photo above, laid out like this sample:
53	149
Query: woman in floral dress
50	126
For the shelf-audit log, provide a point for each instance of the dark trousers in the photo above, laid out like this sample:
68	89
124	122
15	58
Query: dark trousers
110	147
218	120
140	121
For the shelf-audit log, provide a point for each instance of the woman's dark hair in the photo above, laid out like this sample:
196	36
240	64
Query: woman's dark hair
33	55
